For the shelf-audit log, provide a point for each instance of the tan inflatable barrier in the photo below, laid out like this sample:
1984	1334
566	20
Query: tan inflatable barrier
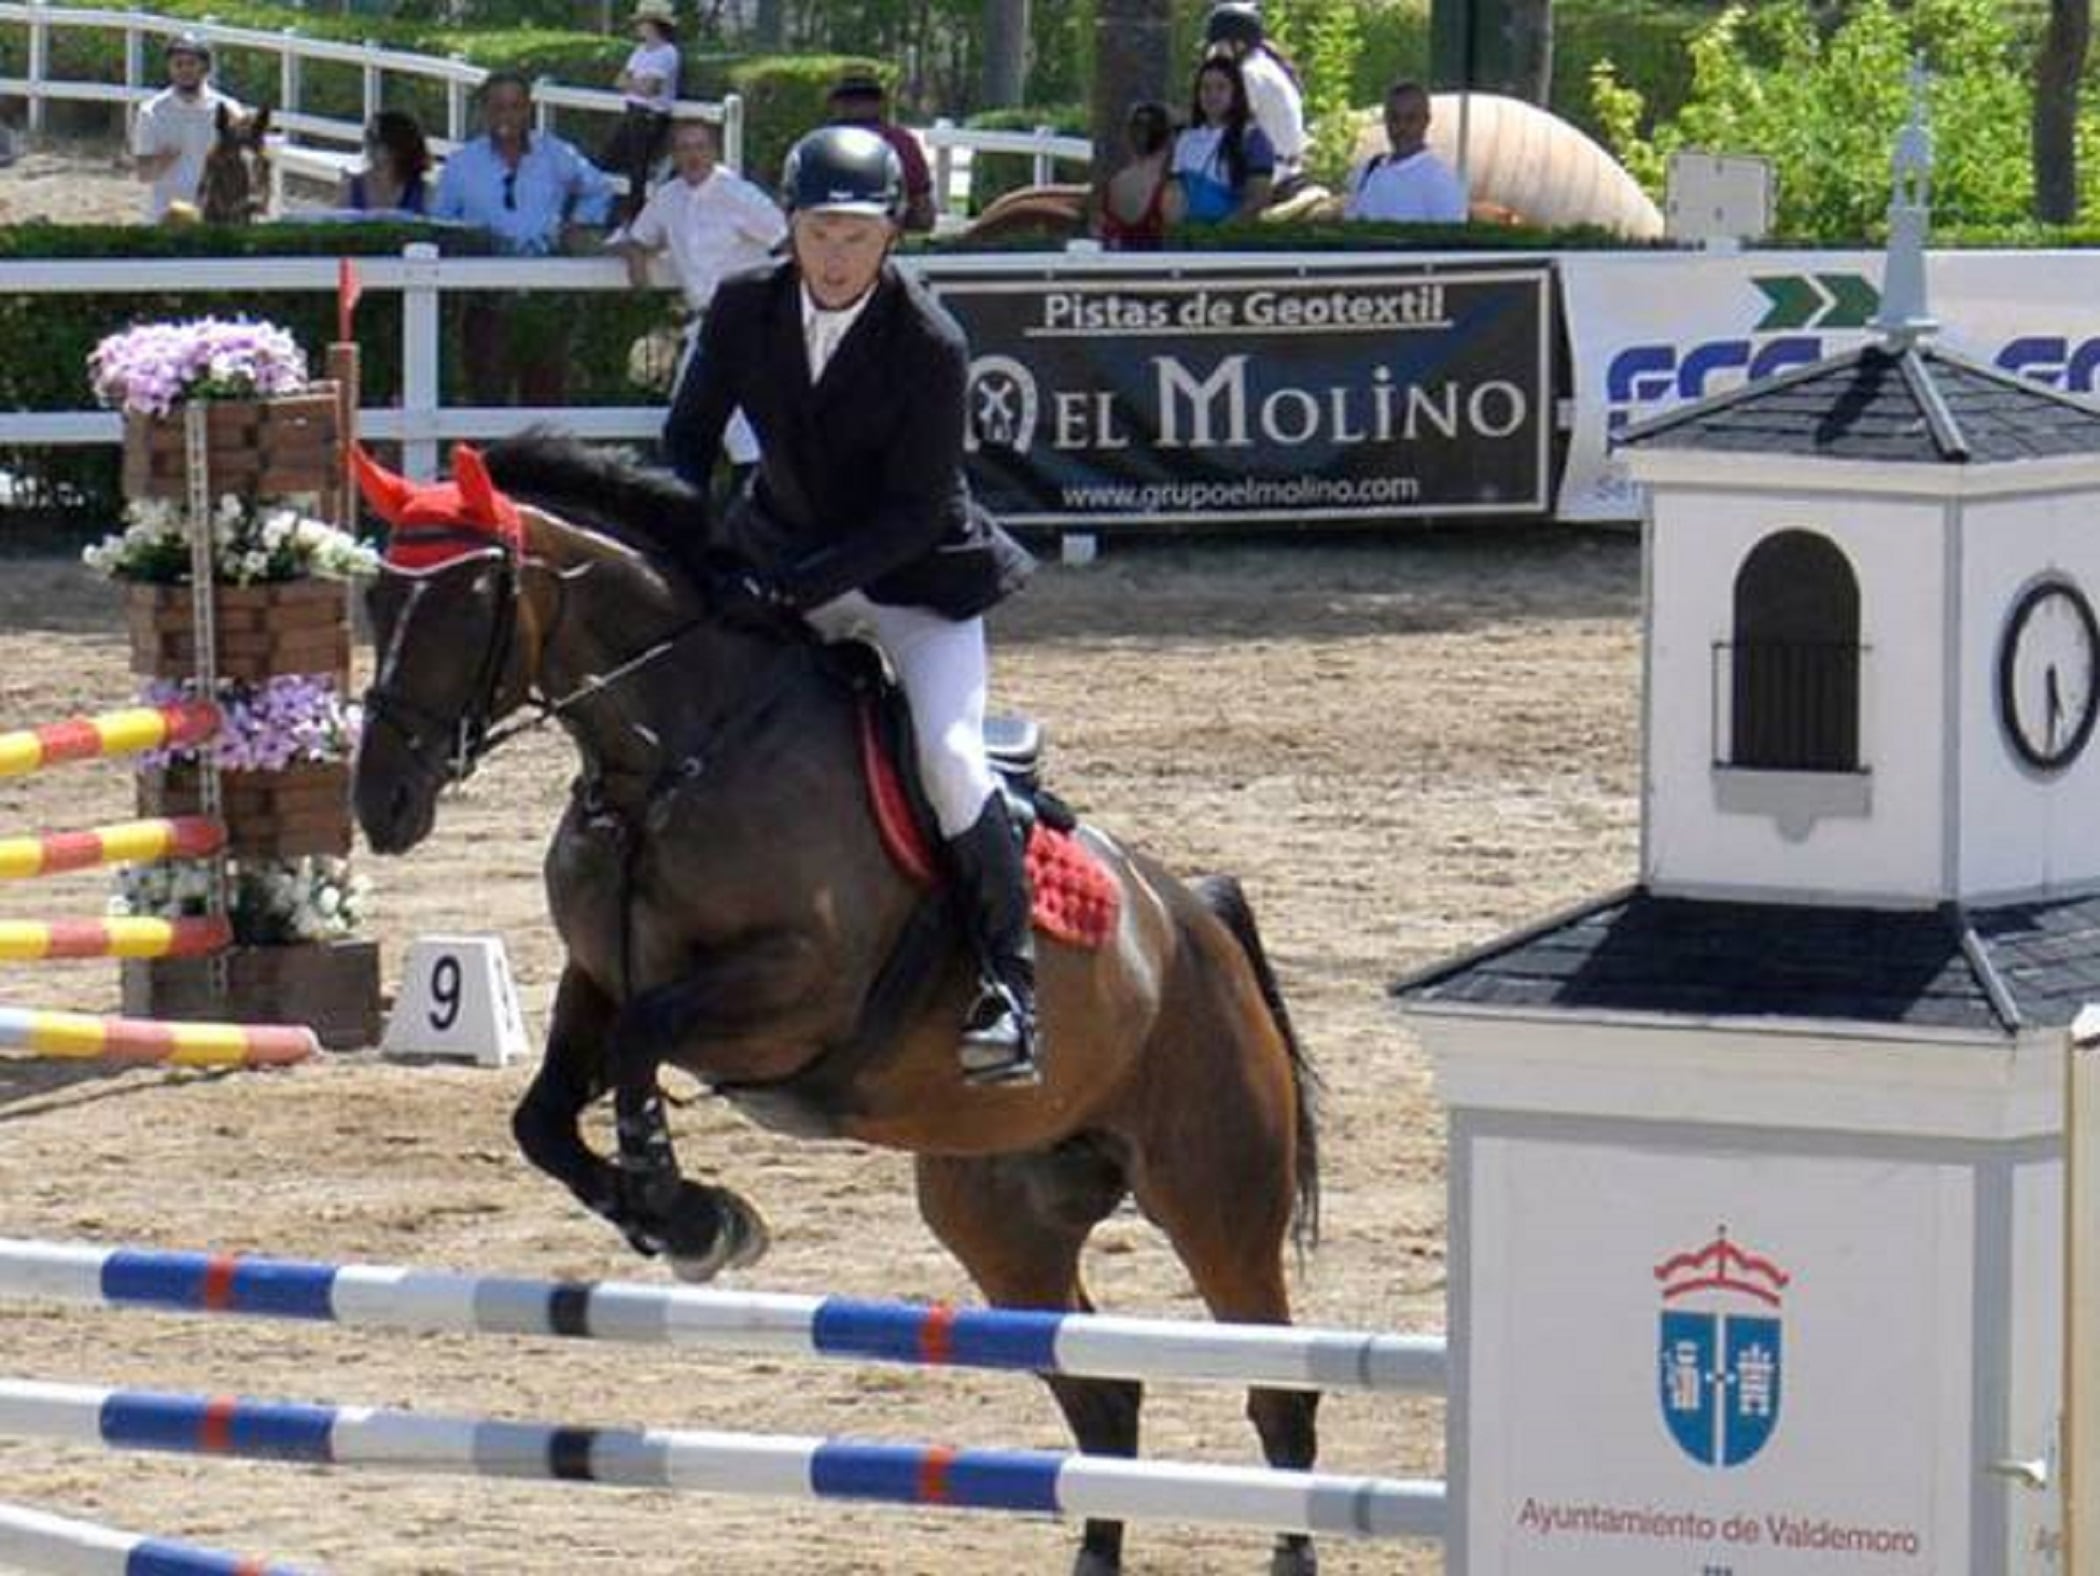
1530	162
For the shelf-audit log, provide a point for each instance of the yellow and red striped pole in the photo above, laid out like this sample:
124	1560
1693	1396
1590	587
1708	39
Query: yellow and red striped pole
123	732
80	1036
122	842
34	940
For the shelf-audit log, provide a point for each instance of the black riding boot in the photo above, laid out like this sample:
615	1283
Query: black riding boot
999	1041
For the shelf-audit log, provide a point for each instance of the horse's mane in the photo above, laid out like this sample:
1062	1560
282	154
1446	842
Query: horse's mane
652	512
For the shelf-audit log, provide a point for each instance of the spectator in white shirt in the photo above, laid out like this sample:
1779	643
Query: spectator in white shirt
1274	93
177	126
1408	184
712	223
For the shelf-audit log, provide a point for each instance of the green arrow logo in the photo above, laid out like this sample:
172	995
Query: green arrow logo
1853	300
1794	301
1816	301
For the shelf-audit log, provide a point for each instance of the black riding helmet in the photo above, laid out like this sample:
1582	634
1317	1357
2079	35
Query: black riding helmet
1233	22
843	169
188	43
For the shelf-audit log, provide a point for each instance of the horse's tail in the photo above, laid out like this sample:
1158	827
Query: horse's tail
1225	898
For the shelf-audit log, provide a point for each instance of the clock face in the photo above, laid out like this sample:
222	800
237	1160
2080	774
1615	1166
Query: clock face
2049	674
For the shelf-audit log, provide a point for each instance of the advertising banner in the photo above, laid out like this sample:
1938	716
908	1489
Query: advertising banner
1105	398
1651	330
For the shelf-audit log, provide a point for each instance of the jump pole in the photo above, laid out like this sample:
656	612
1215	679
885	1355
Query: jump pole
780	1466
37	940
373	1296
122	842
124	732
34	1540
84	1037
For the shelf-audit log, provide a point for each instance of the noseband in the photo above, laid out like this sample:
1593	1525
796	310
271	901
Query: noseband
447	751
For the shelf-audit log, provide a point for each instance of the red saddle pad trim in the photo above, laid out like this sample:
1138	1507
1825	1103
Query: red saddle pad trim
1073	897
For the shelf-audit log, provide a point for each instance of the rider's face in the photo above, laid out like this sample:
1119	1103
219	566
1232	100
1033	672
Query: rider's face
840	254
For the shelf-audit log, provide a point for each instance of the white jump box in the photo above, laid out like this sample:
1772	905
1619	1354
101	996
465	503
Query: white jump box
457	1003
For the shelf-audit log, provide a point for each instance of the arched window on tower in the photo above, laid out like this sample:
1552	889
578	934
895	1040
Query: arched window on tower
1794	661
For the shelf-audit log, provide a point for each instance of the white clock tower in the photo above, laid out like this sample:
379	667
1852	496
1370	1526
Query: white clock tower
1755	1182
1871	639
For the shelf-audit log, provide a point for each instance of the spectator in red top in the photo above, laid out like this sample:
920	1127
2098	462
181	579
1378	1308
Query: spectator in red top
859	99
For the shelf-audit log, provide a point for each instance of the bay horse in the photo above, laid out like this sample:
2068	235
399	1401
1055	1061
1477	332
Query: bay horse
727	906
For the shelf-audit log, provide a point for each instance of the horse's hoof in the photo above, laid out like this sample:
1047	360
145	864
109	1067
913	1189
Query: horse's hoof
1294	1557
736	1234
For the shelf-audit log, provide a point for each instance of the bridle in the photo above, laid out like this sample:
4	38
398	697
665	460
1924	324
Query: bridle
447	752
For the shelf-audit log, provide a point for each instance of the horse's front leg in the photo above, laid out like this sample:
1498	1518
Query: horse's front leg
573	1073
761	988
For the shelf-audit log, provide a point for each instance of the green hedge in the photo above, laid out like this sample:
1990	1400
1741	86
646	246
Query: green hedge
994	174
784	96
49	337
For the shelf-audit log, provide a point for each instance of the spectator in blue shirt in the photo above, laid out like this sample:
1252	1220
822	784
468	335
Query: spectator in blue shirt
529	190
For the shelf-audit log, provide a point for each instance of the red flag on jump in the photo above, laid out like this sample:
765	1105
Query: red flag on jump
347	290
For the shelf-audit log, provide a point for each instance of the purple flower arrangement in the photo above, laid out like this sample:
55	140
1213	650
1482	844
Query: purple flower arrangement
268	726
154	367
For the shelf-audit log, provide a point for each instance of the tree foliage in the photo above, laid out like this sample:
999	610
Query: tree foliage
1324	38
1824	107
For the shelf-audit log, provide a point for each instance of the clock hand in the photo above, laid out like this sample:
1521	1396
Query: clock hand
2054	701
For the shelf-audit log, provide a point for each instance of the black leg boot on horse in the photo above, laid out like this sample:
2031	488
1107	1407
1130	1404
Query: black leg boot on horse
1001	1041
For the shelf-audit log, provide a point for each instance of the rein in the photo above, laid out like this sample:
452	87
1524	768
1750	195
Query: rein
474	736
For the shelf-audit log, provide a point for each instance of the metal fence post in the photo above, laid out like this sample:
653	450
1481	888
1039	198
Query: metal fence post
39	64
289	73
456	105
542	111
1045	164
374	89
134	54
943	162
733	134
421	392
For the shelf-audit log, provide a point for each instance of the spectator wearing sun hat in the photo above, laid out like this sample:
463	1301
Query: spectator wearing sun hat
650	82
859	99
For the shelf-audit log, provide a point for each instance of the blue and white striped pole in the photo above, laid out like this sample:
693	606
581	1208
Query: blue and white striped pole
766	1465
774	1325
34	1540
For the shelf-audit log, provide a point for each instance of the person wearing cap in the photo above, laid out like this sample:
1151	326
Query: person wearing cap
858	519
650	82
176	127
859	99
1274	93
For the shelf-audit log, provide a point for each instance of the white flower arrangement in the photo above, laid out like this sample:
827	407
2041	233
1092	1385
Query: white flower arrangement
272	901
251	545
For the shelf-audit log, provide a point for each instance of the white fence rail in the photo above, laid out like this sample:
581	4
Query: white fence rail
293	50
950	148
420	422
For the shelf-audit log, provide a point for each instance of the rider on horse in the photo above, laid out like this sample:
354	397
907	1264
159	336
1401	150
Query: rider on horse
858	518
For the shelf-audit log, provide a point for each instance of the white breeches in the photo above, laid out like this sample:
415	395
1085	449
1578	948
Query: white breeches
941	664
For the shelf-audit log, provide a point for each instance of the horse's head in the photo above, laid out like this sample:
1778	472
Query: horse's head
235	184
444	619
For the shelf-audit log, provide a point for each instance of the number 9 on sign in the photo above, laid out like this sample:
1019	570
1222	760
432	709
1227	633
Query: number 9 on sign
457	1003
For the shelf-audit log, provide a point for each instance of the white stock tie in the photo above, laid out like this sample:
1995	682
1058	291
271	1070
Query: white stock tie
824	332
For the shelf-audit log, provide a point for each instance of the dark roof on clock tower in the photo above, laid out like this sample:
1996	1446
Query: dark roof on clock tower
1914	404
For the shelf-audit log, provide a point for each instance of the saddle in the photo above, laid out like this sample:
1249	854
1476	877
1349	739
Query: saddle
1072	898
